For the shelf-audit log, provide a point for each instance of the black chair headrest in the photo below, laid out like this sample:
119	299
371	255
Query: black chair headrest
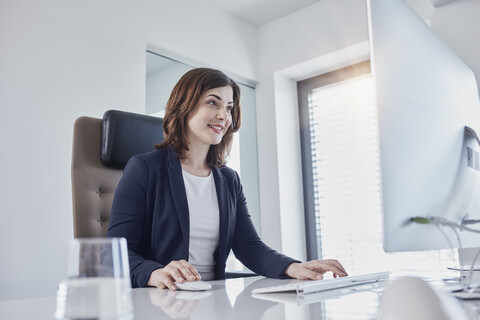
125	134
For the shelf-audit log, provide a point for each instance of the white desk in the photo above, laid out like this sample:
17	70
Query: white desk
231	299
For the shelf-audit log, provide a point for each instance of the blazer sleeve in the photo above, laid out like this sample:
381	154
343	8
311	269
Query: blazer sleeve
250	249
127	219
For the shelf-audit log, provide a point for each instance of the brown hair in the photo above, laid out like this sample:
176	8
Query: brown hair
183	99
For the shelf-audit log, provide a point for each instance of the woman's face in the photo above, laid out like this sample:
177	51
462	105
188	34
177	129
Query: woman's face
209	120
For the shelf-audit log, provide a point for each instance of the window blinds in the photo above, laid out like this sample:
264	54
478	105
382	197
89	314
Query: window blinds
346	182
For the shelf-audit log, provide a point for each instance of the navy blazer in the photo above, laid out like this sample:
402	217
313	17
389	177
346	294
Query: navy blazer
150	210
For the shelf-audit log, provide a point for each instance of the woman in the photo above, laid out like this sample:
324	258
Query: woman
181	209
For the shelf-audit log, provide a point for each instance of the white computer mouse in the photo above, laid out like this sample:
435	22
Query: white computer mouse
193	285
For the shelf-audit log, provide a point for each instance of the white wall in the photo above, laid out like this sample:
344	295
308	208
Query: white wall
61	59
458	24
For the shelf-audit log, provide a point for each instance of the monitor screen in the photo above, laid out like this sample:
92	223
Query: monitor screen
430	164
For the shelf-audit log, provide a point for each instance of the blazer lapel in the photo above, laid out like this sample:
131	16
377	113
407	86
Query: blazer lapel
223	206
179	195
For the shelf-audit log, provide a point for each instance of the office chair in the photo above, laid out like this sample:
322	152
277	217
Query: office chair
101	149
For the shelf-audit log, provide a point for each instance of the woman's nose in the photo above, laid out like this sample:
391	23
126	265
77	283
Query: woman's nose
221	114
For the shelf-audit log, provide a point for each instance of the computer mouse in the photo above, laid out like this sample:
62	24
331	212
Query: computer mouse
193	285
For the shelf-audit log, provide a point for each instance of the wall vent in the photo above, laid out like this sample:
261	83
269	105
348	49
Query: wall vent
473	159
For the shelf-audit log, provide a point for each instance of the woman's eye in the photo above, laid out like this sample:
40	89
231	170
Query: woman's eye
229	108
212	102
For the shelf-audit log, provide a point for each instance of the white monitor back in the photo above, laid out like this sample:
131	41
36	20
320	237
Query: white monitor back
426	95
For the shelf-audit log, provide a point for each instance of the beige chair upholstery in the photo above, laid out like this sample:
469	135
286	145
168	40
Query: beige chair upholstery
101	149
93	184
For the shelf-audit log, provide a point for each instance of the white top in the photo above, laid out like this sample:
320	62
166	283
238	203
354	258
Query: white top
204	223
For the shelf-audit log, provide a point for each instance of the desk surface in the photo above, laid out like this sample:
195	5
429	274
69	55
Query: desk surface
232	299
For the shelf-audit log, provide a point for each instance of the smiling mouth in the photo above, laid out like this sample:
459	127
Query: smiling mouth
216	128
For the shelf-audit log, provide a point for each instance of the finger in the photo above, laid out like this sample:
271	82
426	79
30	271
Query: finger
161	285
195	273
337	264
168	282
323	267
174	273
189	271
337	271
192	270
305	273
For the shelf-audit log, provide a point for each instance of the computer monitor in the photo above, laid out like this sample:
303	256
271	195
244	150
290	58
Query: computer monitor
430	163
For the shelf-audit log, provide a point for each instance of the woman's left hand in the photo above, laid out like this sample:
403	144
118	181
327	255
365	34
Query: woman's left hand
315	269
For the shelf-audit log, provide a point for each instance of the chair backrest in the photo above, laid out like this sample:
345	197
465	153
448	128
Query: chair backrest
101	149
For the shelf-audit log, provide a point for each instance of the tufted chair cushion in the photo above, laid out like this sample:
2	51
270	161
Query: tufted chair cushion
93	183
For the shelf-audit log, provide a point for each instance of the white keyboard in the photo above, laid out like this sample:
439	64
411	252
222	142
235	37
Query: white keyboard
327	284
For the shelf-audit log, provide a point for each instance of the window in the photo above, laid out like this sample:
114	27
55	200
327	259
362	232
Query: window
342	178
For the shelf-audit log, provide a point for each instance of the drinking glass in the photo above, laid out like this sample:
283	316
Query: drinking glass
98	281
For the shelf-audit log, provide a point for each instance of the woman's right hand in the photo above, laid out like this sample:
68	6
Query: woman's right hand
175	271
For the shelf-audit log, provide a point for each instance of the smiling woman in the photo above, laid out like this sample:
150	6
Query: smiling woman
203	97
211	117
182	209
162	73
